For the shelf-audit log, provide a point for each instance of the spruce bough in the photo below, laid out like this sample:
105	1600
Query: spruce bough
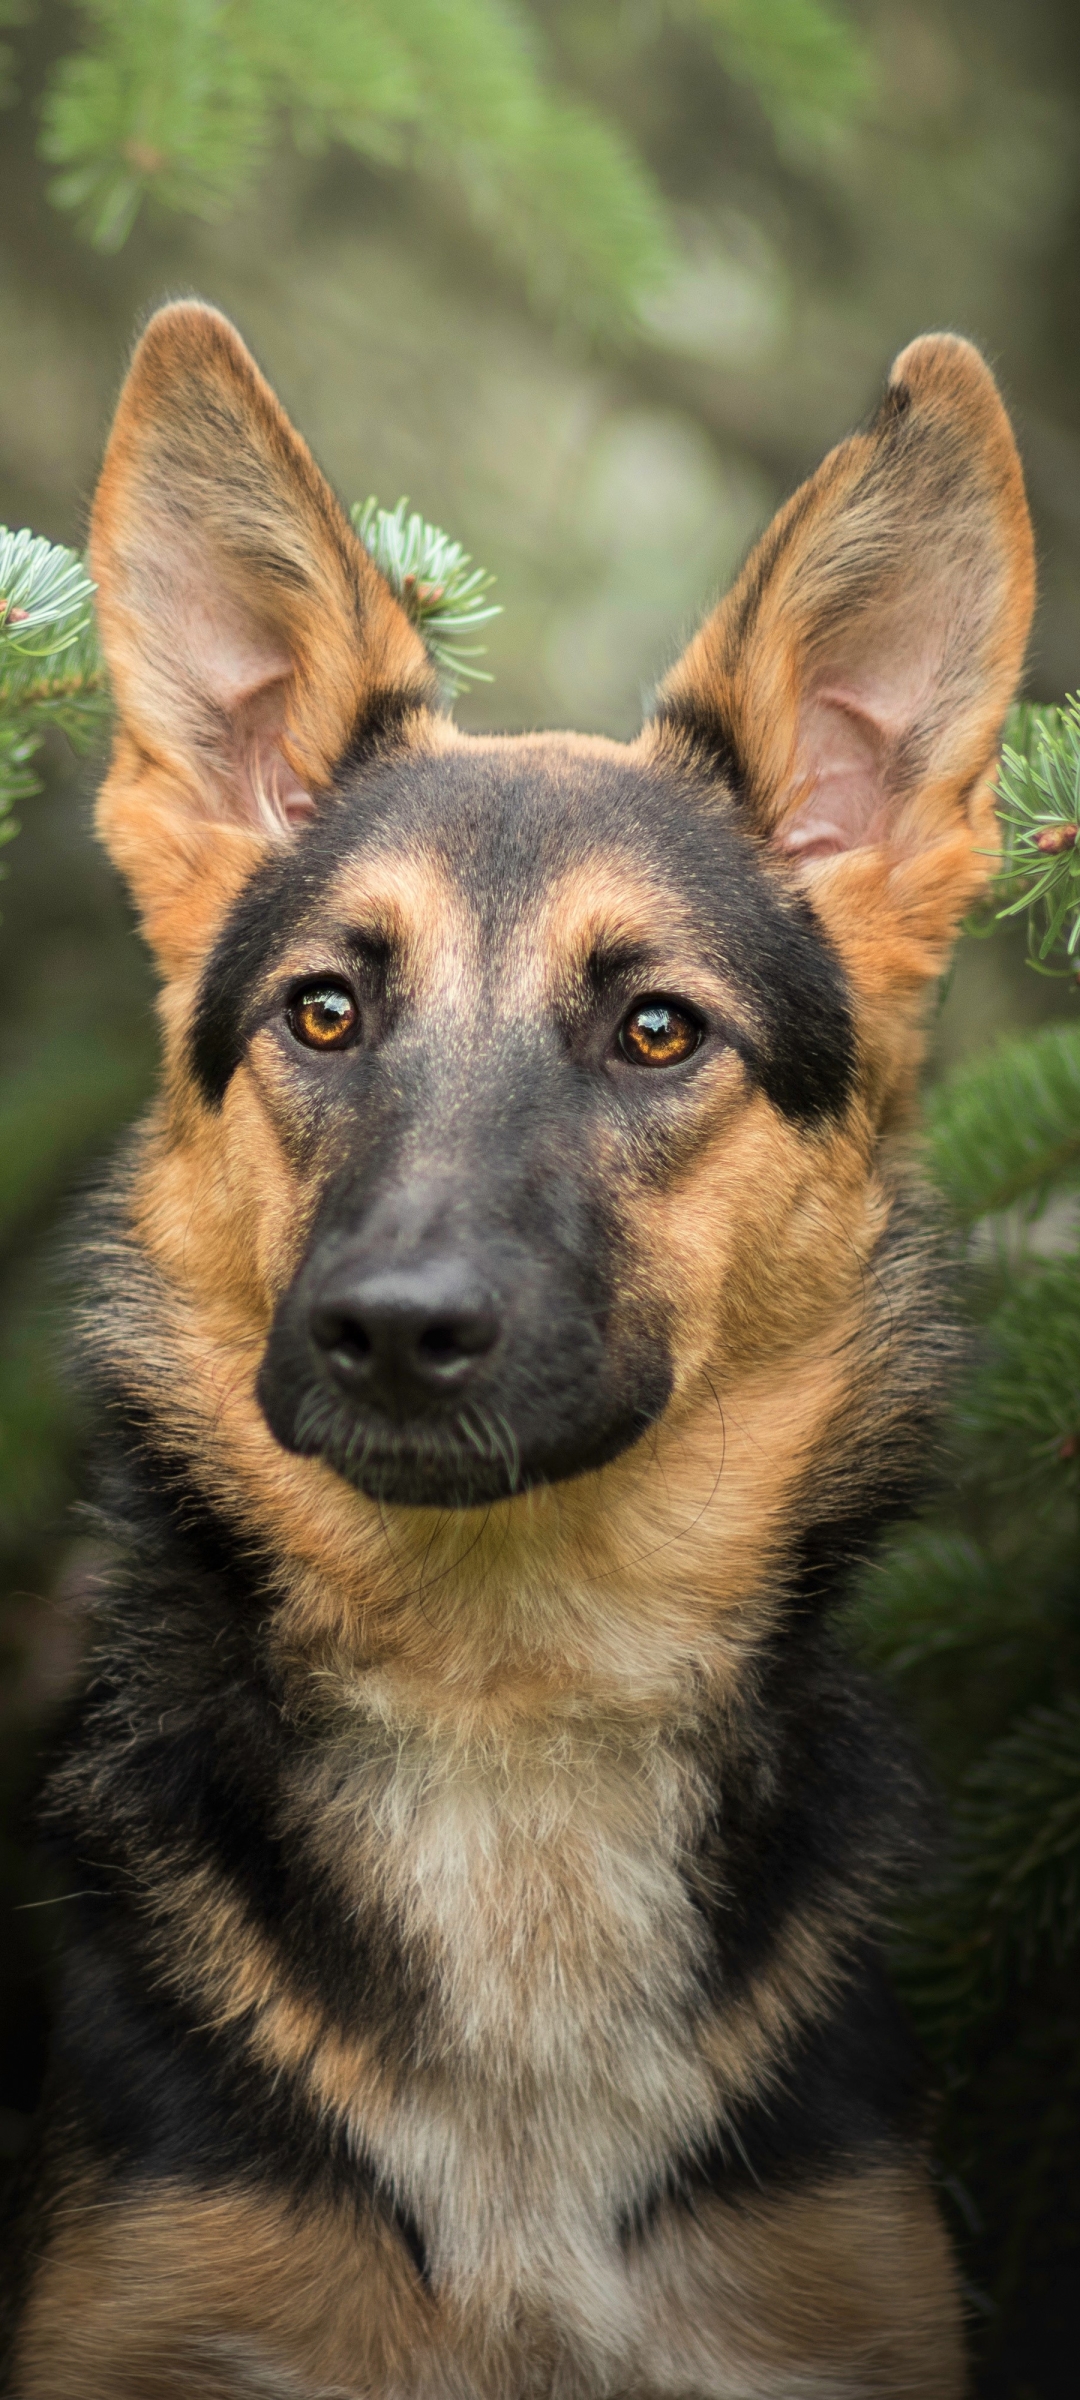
975	1619
182	103
51	669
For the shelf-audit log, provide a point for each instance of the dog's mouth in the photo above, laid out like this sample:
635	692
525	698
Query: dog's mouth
467	1456
427	1390
462	1459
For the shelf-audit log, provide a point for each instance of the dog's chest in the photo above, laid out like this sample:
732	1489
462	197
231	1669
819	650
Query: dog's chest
553	2070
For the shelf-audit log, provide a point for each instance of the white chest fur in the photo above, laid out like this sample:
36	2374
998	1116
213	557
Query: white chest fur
556	2069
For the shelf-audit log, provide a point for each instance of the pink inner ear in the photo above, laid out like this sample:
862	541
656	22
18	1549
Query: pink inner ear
267	790
840	774
243	670
853	727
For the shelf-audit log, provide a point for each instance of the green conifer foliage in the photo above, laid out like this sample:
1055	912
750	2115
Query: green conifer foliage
799	58
182	101
975	1618
51	669
1039	811
436	581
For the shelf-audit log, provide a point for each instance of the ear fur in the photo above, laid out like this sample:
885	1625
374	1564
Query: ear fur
248	634
854	681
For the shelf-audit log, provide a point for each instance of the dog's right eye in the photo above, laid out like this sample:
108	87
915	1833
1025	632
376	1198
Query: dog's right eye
324	1016
657	1034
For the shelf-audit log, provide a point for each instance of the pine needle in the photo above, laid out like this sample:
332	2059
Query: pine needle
1006	1127
1022	1415
436	583
51	668
1010	1895
1039	814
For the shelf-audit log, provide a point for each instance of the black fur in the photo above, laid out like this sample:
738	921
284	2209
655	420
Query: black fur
179	1750
849	2093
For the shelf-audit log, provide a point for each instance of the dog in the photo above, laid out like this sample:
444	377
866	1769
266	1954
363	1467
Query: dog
510	1326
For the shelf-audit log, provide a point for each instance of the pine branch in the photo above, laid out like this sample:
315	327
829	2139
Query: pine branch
1039	814
804	61
969	1630
1010	1896
1006	1127
934	1595
1022	1415
52	672
180	99
51	668
436	583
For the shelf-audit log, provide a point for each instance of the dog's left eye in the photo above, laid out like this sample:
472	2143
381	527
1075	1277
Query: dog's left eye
324	1016
657	1034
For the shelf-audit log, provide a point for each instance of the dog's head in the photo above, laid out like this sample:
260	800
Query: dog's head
523	1093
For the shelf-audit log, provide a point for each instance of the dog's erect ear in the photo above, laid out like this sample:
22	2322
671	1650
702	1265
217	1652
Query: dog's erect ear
248	634
854	681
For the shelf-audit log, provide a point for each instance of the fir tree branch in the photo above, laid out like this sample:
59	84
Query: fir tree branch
52	672
1039	814
1022	1414
51	668
1010	1895
1006	1127
436	583
805	62
934	1594
181	100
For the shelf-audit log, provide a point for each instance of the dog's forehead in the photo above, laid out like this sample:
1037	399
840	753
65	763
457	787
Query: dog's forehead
501	822
503	844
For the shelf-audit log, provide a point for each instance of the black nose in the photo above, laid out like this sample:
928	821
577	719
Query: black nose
402	1336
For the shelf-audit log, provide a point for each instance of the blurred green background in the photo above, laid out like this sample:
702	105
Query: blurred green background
606	428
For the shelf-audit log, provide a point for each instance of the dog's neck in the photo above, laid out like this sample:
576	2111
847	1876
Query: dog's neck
624	1591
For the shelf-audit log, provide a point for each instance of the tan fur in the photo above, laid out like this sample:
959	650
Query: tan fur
225	2297
231	2297
435	1597
852	2281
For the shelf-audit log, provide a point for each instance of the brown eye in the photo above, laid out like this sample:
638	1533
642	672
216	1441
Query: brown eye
324	1016
657	1034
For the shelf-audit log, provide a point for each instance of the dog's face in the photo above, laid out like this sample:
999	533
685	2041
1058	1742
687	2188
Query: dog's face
516	1016
525	1093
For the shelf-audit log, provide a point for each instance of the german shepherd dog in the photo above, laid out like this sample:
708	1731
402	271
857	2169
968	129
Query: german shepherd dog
509	1325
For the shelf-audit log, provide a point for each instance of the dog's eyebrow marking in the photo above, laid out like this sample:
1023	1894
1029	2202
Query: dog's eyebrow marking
376	896
611	961
605	903
763	958
409	898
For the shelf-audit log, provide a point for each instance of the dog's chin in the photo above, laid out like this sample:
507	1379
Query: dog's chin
419	1469
427	1465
